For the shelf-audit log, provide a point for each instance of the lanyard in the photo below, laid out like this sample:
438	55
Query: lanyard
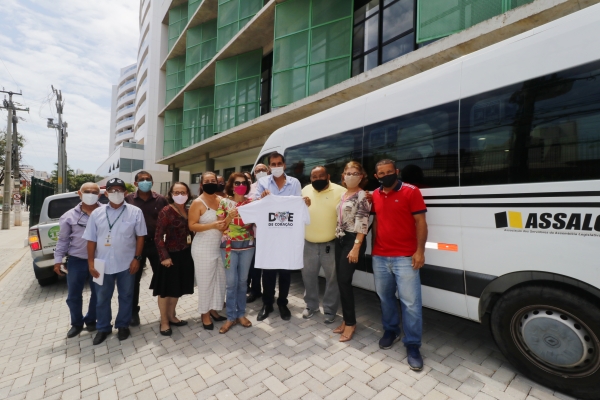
110	226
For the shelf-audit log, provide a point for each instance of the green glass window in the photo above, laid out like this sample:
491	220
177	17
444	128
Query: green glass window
173	129
175	77
237	90
192	7
312	48
201	43
198	110
232	16
178	18
439	18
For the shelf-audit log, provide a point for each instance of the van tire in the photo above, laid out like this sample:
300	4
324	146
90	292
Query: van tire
48	281
533	325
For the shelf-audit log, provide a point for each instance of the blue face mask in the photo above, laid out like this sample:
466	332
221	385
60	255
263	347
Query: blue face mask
145	186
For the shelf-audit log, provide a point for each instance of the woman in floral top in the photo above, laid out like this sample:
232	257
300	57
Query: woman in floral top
352	227
175	276
237	250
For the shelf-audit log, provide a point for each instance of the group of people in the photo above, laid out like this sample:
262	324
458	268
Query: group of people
211	245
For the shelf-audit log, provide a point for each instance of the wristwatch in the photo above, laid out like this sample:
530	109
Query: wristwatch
357	241
139	258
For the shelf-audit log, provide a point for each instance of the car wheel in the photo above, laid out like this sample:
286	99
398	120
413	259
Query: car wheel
551	335
48	281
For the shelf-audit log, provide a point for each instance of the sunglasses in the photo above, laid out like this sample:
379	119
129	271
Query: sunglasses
239	183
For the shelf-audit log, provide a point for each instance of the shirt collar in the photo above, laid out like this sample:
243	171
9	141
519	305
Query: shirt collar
287	181
396	188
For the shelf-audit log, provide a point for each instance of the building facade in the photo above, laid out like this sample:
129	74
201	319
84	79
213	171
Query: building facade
230	72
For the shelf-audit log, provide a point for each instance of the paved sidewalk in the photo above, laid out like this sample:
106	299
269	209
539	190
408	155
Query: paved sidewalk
272	360
12	242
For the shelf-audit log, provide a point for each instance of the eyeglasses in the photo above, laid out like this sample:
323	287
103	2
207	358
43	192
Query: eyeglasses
353	174
180	193
145	180
83	225
115	191
238	183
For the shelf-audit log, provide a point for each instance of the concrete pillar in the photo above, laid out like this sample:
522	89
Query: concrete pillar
210	163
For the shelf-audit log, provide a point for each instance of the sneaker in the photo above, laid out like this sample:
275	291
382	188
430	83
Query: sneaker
415	361
308	313
329	318
388	340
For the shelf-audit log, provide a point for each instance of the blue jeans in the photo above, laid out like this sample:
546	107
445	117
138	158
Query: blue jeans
125	284
236	278
78	274
396	274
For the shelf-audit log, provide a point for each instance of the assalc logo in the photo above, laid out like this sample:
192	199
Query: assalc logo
546	220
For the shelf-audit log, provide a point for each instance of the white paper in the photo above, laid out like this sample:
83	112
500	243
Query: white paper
99	267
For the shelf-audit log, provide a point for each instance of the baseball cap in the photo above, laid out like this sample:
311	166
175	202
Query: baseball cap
115	182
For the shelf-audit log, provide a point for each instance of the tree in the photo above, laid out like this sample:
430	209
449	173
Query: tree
70	178
79	180
20	142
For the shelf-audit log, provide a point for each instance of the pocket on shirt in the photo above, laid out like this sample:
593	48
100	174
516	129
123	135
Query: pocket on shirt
128	229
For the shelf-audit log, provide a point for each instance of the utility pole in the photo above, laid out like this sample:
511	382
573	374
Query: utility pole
10	107
16	171
61	127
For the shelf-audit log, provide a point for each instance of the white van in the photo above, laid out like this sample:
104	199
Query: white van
505	146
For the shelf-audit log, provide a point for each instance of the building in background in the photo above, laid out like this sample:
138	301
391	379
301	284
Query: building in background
227	73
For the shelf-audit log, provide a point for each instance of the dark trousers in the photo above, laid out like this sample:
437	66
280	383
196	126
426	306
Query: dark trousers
269	278
151	254
345	271
79	274
254	277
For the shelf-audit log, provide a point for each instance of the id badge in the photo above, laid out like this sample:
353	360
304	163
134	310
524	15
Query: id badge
189	239
107	242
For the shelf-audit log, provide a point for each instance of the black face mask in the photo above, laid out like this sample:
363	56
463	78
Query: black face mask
210	188
389	180
221	187
320	184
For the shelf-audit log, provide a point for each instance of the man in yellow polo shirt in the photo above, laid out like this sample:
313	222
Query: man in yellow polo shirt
319	246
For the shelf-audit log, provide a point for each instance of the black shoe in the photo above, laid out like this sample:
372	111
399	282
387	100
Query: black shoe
415	361
135	320
252	297
74	331
180	323
218	319
101	337
264	312
388	340
284	313
167	332
90	327
123	333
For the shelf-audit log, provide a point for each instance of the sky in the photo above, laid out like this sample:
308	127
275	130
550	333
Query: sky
79	46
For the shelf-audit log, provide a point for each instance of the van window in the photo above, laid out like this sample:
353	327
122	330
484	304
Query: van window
423	144
542	130
333	152
56	208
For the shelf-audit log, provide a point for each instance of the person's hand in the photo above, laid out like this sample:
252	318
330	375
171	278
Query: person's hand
93	271
57	270
167	263
353	256
234	213
220	225
369	196
264	193
134	266
307	201
418	259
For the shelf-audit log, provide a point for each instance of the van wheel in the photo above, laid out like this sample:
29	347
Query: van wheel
551	335
48	281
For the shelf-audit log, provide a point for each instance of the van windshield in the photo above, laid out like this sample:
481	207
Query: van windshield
56	208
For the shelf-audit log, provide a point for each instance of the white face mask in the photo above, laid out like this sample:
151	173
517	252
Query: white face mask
116	198
180	199
352	181
260	175
89	198
277	171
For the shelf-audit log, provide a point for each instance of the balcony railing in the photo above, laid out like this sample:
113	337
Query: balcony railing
127	82
124	120
126	95
129	69
128	131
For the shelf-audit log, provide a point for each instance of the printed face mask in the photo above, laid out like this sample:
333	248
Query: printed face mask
89	198
210	188
389	180
277	171
116	197
180	198
319	184
260	175
241	190
352	181
145	186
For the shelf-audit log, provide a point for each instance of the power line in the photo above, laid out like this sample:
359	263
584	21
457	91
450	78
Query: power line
10	74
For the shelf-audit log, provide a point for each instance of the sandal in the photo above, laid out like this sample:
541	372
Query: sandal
218	317
166	332
345	337
227	326
340	329
245	322
180	323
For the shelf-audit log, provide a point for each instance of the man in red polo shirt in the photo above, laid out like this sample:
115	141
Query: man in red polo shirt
400	233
